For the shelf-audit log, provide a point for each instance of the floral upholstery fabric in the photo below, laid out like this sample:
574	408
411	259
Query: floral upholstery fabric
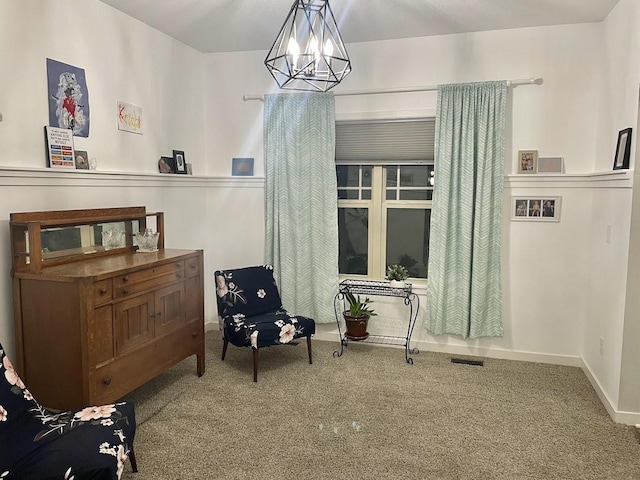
36	443
251	310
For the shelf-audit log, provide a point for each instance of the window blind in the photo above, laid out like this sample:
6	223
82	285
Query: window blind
385	141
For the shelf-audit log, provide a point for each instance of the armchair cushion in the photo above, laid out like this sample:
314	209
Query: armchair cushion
36	443
249	291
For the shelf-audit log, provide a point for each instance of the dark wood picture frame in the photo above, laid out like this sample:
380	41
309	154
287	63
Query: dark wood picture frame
623	150
179	162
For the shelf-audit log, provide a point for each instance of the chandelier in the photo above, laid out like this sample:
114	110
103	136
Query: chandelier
308	53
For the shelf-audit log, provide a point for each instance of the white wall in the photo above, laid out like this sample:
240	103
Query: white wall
123	59
540	316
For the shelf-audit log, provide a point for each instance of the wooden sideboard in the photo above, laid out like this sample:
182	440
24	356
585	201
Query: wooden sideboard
93	323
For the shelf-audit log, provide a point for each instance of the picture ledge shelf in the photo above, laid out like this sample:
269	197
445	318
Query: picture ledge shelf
15	176
617	178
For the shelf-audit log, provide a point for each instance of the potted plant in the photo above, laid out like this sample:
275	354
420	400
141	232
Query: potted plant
397	274
357	317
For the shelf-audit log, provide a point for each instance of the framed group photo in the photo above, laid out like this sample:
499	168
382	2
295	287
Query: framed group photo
536	209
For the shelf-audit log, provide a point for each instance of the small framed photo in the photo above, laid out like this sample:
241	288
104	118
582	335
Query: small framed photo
550	165
623	150
166	165
536	209
180	162
527	161
242	167
82	160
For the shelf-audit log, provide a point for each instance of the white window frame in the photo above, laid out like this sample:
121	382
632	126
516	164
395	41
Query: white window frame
378	206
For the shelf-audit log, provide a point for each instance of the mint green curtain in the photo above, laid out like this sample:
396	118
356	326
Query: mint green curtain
464	292
301	201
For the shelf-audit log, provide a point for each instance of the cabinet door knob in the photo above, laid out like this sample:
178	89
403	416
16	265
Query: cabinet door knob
103	291
125	278
125	291
194	334
107	380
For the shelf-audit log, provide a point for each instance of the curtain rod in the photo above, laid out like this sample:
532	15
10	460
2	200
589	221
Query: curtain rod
429	88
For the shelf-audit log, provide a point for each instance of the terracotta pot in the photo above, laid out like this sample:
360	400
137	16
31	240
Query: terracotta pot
356	327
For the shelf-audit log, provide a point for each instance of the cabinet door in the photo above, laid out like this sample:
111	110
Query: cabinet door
134	322
169	308
100	332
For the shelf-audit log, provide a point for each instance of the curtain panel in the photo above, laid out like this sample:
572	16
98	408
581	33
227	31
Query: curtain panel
464	292
301	201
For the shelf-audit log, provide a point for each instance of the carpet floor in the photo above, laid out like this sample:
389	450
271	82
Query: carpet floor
370	415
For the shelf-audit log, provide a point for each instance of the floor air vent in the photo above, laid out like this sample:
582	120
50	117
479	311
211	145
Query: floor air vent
476	363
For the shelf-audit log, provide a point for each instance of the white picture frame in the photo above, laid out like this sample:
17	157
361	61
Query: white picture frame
536	208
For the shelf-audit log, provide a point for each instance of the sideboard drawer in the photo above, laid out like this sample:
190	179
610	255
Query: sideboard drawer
143	275
102	292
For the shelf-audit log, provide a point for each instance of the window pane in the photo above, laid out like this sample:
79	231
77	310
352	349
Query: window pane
348	175
348	195
366	194
408	239
391	194
392	176
414	176
353	237
366	176
415	194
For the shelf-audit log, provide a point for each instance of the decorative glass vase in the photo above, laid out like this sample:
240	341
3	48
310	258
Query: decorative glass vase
112	239
147	241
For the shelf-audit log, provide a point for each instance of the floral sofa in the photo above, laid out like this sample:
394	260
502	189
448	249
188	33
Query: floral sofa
252	314
36	443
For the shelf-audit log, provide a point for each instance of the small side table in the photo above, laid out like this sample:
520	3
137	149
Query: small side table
378	288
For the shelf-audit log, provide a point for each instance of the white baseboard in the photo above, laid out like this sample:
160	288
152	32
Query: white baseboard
626	418
422	345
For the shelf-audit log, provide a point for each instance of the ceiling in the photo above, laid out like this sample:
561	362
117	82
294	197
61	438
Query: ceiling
237	25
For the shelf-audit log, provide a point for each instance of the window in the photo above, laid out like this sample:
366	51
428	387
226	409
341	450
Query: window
384	214
385	176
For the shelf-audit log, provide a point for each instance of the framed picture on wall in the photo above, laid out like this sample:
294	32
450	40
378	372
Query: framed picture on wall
179	162
536	209
242	167
528	161
623	150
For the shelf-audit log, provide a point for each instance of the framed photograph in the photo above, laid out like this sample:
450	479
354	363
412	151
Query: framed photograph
527	161
536	209
550	165
242	167
59	143
623	150
82	160
180	162
166	165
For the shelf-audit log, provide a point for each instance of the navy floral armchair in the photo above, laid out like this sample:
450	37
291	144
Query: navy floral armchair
36	443
252	314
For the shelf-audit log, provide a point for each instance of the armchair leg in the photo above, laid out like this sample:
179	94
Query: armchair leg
309	348
255	364
224	347
132	459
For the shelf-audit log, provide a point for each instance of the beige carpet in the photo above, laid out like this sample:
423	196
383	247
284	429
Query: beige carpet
370	415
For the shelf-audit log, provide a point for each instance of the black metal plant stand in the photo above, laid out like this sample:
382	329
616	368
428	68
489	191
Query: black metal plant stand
378	288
